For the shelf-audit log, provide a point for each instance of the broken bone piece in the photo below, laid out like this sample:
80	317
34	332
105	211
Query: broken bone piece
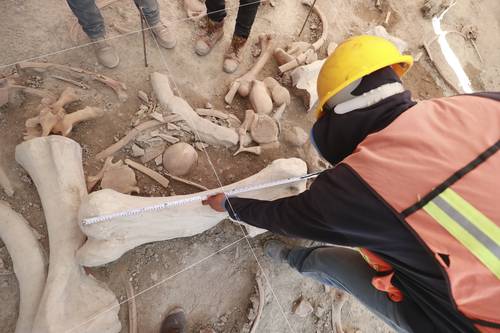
260	98
242	85
110	240
72	300
154	150
115	176
65	126
148	172
264	129
203	129
29	263
180	158
304	79
5	182
118	87
310	55
257	150
132	134
242	130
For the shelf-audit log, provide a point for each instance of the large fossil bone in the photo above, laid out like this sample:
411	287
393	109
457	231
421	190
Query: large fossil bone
204	129
243	84
29	264
107	241
72	300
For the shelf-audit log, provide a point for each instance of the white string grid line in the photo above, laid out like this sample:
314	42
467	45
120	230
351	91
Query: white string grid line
167	23
165	64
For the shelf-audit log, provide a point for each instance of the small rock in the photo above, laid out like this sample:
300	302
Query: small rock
302	308
319	311
158	160
208	105
314	26
227	107
154	276
295	136
136	151
143	96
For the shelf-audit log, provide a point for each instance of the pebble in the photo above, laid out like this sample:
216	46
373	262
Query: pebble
302	308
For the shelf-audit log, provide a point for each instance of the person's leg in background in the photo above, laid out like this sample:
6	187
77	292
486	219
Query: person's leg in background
345	269
244	21
92	22
214	29
164	35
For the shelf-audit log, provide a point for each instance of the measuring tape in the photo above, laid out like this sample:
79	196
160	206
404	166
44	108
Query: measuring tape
196	198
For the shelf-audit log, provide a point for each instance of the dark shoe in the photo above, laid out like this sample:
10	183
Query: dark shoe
105	53
210	36
174	322
232	58
164	35
277	250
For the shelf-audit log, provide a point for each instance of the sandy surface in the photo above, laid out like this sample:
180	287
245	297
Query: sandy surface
214	289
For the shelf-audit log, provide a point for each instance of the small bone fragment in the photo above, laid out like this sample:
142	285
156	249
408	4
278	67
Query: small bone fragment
5	182
132	308
157	116
143	96
151	152
203	129
118	87
115	176
71	299
262	300
307	56
260	98
187	182
127	138
73	82
200	145
195	9
212	113
169	138
257	150
108	241
148	172
279	113
137	151
302	308
295	136
29	263
242	85
180	158
159	160
264	129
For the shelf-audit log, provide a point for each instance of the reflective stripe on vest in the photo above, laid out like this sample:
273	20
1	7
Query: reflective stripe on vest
469	226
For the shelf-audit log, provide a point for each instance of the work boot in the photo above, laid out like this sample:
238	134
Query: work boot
277	250
210	36
232	58
164	35
174	322
105	53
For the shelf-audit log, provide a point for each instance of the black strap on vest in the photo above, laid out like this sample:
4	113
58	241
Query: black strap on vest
452	179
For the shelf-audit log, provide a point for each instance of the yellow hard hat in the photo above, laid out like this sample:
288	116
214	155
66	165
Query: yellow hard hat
354	58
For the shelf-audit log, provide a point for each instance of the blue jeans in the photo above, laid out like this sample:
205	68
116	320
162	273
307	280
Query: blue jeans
246	14
345	269
90	18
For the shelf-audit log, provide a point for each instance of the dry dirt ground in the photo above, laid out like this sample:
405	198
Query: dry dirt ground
215	290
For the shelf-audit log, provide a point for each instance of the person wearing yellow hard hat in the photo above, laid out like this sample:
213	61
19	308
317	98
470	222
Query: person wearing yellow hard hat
414	189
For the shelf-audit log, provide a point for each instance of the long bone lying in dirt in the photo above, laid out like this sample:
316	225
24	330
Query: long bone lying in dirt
72	300
107	241
29	264
203	128
300	53
243	84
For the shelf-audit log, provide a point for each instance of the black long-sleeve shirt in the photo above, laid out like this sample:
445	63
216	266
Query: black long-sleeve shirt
339	208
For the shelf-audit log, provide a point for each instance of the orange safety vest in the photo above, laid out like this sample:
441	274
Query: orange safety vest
438	168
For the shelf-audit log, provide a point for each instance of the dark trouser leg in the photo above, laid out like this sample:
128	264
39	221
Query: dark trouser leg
245	18
89	17
151	10
216	10
345	269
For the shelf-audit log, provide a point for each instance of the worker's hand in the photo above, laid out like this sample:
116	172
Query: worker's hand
216	202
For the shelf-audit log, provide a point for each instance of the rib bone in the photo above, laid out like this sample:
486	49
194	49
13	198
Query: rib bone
107	241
